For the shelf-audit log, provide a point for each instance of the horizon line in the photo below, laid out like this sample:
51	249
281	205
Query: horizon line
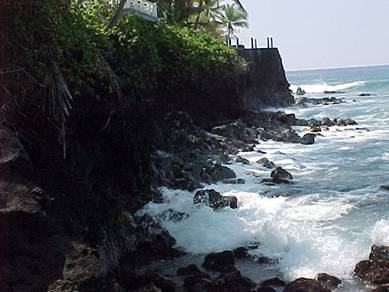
330	68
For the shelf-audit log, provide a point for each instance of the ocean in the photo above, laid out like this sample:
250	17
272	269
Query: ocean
335	210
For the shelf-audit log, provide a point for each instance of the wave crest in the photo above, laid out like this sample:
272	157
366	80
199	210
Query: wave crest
321	88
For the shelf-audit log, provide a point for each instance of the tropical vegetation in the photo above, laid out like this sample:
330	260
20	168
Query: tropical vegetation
72	48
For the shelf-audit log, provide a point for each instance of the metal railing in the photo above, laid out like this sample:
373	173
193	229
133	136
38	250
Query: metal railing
250	43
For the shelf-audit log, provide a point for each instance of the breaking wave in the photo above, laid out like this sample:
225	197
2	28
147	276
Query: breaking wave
323	87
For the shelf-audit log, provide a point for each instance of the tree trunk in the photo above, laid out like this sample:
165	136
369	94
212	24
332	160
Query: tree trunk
115	15
198	16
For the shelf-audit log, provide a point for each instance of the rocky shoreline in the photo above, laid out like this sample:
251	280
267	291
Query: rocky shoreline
209	152
192	158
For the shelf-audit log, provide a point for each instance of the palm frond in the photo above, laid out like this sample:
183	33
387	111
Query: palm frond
59	100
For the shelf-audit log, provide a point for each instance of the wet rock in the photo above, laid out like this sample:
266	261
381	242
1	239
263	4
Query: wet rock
376	269
14	160
345	122
265	289
173	215
305	285
308	139
242	160
315	129
300	91
329	281
233	281
220	261
237	130
301	123
365	94
198	283
324	100
385	187
379	253
247	148
214	199
219	172
241	253
188	270
289	119
279	173
234	181
327	122
263	260
152	240
231	201
161	282
83	270
266	163
274	282
314	123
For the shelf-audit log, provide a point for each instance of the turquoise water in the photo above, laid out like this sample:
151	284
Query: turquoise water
328	220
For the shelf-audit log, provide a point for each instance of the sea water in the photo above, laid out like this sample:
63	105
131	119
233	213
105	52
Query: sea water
335	210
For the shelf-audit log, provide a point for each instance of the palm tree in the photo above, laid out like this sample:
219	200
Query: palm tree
230	18
241	7
206	11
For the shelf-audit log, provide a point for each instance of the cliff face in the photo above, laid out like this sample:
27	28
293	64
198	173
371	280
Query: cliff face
265	83
67	224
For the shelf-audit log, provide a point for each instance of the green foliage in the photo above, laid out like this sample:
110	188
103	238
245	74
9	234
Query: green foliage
147	57
77	40
164	55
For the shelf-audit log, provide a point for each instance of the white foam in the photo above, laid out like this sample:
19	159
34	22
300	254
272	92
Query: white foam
321	88
380	232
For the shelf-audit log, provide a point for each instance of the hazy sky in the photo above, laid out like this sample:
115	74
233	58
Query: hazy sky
322	33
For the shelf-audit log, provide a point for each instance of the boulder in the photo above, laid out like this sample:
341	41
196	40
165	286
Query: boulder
241	253
301	122
300	91
274	282
314	123
308	139
279	173
214	199
329	281
240	159
236	130
188	270
365	94
315	129
173	215
376	269
247	148
265	289
218	172
305	285
266	163
220	261
345	122
385	187
327	122
379	253
198	283
233	281
14	160
263	260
